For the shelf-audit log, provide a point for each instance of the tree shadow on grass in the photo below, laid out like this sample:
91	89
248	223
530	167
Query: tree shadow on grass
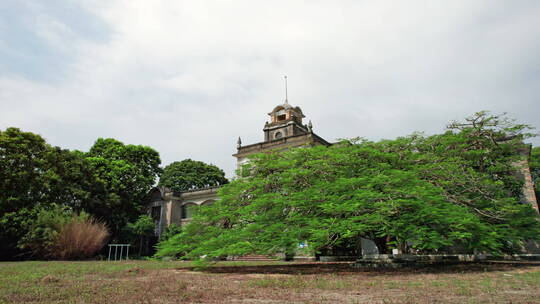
347	268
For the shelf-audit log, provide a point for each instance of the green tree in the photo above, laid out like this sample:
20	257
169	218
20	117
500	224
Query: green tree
57	232
534	164
189	174
111	182
23	169
41	231
126	173
142	229
33	173
417	193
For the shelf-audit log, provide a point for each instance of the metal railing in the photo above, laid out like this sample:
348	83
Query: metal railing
116	256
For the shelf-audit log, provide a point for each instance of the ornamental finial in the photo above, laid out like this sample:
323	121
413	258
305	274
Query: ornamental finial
239	143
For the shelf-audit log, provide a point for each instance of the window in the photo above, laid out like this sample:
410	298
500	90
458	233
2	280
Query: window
278	135
156	213
188	210
281	117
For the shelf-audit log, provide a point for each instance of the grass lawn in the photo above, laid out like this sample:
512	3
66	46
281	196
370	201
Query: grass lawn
262	282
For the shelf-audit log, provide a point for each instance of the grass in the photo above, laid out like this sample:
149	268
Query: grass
261	282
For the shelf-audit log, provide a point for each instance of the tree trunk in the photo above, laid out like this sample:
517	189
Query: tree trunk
382	244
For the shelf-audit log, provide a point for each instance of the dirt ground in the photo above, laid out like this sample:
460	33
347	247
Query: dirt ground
177	282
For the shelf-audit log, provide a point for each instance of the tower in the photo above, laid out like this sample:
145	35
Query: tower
285	121
284	130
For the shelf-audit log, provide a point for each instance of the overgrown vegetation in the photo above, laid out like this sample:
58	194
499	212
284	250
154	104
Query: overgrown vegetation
535	170
81	237
42	186
453	191
141	231
58	233
110	182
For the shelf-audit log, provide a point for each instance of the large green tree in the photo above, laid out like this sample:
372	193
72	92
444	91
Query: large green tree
534	163
189	174
111	182
418	193
126	173
32	174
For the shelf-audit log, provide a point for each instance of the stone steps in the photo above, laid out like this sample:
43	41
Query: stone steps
252	257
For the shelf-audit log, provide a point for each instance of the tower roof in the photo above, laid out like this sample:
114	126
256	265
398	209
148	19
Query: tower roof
287	106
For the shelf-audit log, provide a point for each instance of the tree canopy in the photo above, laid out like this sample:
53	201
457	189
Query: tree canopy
190	174
417	193
110	182
126	174
34	174
534	164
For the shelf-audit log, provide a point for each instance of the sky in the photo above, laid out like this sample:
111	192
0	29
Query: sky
187	78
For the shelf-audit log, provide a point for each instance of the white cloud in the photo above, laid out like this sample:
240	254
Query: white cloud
189	77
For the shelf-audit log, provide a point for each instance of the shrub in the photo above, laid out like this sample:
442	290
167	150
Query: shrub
141	231
55	232
171	230
42	225
82	237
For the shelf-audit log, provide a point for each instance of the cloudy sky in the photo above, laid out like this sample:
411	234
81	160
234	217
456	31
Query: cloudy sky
188	77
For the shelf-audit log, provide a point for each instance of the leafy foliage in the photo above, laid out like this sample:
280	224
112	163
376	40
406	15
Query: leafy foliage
418	193
43	229
141	230
170	231
110	182
534	164
58	233
190	174
126	174
34	173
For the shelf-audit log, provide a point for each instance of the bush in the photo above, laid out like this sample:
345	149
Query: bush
82	237
172	229
141	231
42	225
55	232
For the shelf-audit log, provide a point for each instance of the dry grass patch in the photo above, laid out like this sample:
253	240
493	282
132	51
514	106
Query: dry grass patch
174	282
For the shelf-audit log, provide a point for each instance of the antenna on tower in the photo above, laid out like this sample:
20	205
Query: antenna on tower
286	93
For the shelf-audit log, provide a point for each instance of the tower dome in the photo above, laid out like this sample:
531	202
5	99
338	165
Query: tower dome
284	113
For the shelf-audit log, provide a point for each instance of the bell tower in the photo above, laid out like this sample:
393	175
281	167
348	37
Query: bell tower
284	130
285	121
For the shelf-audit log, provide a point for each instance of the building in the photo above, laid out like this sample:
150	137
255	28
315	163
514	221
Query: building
284	130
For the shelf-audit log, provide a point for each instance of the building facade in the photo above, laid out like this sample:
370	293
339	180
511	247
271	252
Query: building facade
284	130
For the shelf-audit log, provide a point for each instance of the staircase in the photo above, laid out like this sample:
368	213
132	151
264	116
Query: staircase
252	258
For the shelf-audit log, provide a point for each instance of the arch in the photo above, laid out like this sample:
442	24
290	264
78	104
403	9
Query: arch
278	108
188	210
156	194
208	202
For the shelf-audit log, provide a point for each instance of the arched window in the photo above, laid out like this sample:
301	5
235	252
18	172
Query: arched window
188	210
207	203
